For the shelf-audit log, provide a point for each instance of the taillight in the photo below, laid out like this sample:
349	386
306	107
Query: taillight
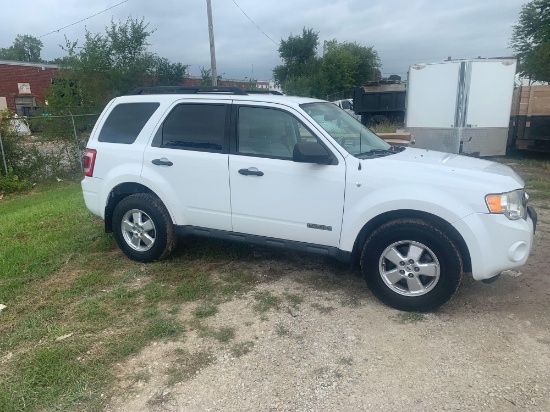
89	161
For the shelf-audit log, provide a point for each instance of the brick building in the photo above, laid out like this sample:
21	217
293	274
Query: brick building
22	85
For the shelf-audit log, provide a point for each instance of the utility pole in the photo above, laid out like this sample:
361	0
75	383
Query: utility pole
212	47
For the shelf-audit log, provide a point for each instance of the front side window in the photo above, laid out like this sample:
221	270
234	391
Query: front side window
194	127
269	132
355	138
125	122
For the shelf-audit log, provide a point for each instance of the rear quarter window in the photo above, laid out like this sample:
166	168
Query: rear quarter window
125	122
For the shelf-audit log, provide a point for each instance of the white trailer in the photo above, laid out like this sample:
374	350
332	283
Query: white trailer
461	106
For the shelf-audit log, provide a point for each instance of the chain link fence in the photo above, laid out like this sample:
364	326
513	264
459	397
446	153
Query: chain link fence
43	146
345	94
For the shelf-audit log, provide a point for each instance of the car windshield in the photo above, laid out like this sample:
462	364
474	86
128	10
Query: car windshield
349	133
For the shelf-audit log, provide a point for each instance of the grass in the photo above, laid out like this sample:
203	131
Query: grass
266	301
187	365
409	317
205	311
240	349
61	274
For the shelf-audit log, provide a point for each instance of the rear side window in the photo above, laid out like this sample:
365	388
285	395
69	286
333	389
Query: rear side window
126	121
195	127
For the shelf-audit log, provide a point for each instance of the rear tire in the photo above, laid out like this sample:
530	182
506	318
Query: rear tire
411	265
143	228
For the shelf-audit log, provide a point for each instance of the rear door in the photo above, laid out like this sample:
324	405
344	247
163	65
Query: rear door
187	162
271	195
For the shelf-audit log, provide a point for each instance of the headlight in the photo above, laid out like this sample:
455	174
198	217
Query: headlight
512	204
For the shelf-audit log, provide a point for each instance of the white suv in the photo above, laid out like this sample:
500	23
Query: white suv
299	173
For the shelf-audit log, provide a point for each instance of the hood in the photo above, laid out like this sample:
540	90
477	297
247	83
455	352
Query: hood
454	165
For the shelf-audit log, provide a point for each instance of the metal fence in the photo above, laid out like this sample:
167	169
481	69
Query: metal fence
345	94
41	146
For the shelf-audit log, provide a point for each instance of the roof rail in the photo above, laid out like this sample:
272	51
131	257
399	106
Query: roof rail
274	92
187	90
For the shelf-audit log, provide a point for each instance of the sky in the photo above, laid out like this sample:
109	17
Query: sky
402	32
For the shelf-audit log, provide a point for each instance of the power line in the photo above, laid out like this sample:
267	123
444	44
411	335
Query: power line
80	21
258	27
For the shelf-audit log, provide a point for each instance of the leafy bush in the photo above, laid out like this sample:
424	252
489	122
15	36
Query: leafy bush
12	183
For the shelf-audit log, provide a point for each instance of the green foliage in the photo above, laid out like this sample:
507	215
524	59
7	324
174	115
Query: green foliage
25	48
109	65
168	73
346	65
343	65
206	77
531	40
252	85
11	183
298	51
299	73
75	309
31	159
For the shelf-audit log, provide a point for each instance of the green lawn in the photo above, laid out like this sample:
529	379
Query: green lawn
76	305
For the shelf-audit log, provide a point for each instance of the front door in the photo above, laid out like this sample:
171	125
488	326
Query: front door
273	196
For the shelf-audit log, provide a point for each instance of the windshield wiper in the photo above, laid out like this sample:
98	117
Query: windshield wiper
376	152
381	152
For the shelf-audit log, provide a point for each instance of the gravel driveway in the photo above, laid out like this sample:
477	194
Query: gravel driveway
330	345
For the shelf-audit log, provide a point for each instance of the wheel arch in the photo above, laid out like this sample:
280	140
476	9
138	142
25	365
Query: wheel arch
438	222
118	193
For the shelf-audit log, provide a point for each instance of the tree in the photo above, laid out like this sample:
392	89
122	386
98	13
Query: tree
206	77
110	64
300	63
25	48
343	65
346	65
531	40
168	73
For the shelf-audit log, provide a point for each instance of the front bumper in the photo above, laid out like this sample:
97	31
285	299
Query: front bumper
496	243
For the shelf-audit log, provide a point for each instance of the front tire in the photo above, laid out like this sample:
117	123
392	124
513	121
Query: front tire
143	229
411	265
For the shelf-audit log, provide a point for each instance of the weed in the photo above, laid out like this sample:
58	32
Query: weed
187	365
141	376
174	310
222	335
409	317
322	309
241	349
205	311
194	288
161	328
239	276
293	300
281	330
345	361
155	292
160	397
149	313
266	301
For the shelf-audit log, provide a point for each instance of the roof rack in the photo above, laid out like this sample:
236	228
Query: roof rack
274	92
187	90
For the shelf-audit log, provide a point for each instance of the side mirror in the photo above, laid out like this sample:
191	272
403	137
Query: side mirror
311	152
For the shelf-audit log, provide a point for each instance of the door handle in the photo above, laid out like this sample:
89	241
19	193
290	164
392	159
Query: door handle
248	172
162	162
